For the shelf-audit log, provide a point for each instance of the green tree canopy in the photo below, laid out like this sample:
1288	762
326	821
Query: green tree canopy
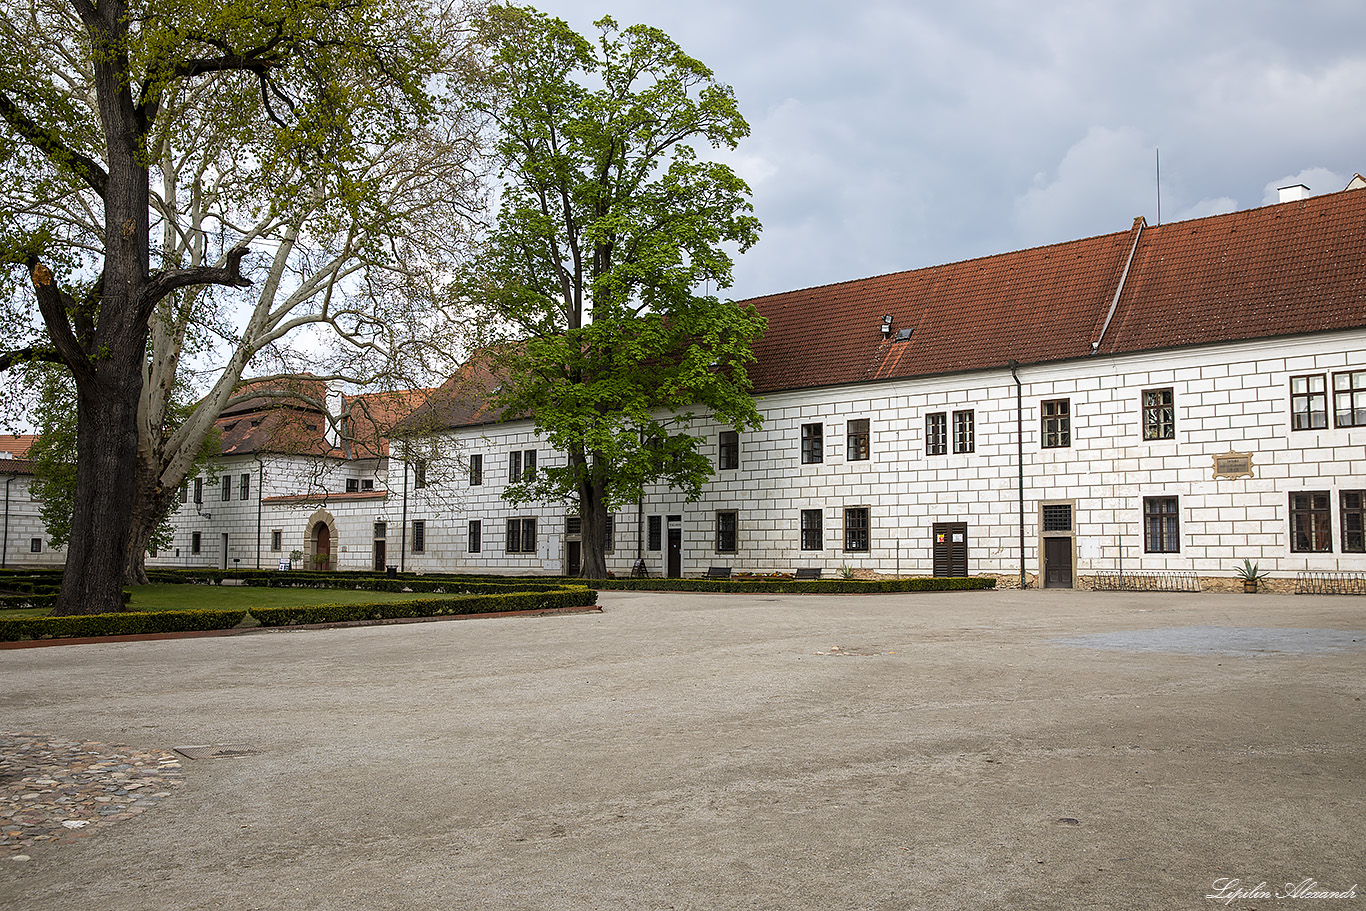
611	230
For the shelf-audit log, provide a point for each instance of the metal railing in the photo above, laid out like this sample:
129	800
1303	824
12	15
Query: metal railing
1322	582
1112	580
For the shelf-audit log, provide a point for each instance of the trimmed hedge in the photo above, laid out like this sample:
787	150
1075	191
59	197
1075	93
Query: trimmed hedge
123	624
43	599
812	587
575	596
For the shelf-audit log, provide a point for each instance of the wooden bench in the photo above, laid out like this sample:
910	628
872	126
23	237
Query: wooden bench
718	572
808	575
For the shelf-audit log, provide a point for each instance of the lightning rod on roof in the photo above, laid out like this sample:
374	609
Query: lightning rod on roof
1157	151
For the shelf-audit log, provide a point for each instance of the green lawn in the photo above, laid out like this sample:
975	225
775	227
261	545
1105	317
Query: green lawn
163	596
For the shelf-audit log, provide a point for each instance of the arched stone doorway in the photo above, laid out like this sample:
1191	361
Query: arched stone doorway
322	541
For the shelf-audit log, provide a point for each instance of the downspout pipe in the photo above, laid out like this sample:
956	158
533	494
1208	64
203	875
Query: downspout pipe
403	520
1019	458
260	501
4	547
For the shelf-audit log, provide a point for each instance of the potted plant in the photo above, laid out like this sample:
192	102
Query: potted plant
1251	575
294	557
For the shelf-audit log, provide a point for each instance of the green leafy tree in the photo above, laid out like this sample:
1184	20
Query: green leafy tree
610	227
92	95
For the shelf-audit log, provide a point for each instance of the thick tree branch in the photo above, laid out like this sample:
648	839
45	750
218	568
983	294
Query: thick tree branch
54	304
50	144
163	283
29	355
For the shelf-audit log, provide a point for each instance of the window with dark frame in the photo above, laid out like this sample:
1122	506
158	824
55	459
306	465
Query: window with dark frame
521	536
1308	402
528	464
728	450
1349	398
185	491
353	485
244	487
1311	528
419	474
964	431
1353	504
514	466
813	530
367	485
859	441
196	541
476	536
1057	423
654	533
277	540
476	470
609	533
813	443
225	488
35	546
1159	415
727	524
856	537
198	492
1161	526
419	536
936	433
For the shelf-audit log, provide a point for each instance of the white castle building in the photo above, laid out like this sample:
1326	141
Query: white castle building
1176	397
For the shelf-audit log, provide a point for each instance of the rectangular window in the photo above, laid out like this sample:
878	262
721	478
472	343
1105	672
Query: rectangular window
728	450
514	466
225	486
476	470
419	474
419	536
1308	402
1057	517
1353	521
1349	398
277	540
476	535
859	440
521	536
528	464
727	524
35	545
1310	526
184	491
353	485
244	487
936	433
856	529
813	536
381	530
655	533
1159	415
367	484
812	443
609	533
196	541
964	431
1057	423
1160	526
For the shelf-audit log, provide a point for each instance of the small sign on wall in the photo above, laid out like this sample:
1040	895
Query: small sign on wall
1233	465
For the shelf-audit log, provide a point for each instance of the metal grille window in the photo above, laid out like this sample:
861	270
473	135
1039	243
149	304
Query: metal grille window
812	530
1057	517
198	492
521	536
573	526
276	539
728	450
856	529
196	542
936	433
419	474
1308	402
476	536
1159	416
1353	521
225	486
1349	398
476	470
655	533
726	527
609	534
244	487
1310	524
812	439
964	431
1057	423
1161	528
859	440
419	536
35	546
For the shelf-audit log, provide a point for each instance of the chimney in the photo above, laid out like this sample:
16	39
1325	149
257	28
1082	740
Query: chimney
1293	192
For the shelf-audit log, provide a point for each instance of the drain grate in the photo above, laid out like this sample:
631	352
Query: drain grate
225	751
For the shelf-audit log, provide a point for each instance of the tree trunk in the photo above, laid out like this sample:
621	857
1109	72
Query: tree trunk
593	519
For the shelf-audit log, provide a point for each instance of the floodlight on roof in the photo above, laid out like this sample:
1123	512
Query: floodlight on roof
887	325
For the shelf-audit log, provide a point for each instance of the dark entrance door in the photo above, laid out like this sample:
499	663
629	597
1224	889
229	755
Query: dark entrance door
225	550
379	556
950	548
1057	562
573	558
675	553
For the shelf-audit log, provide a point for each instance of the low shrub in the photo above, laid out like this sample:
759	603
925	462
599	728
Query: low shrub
564	596
122	624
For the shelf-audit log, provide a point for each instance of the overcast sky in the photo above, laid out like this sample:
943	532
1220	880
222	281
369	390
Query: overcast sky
889	136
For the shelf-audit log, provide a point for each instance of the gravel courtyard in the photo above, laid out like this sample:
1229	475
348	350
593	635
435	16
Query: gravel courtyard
1020	750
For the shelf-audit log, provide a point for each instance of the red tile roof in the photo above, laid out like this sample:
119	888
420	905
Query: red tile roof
1278	270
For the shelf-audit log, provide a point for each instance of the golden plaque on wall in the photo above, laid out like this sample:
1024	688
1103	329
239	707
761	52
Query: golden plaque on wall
1233	465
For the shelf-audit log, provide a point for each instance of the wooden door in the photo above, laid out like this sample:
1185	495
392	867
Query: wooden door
1057	562
950	548
675	553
